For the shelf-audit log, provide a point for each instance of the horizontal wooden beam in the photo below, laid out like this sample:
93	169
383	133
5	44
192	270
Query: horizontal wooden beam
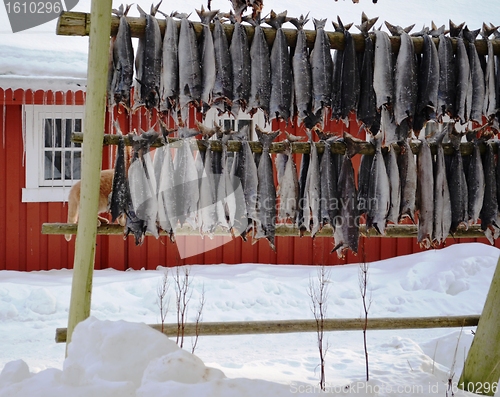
299	326
282	230
78	24
466	148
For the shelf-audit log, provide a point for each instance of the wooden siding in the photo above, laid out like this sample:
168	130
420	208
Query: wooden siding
23	247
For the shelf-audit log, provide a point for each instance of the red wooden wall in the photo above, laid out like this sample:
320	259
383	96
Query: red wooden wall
23	247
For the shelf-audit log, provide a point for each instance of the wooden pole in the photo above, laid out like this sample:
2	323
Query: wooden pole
481	373
94	116
291	326
282	230
78	24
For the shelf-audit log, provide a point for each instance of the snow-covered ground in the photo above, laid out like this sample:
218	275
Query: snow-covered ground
113	354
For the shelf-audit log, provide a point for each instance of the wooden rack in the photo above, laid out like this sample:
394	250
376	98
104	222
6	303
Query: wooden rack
78	24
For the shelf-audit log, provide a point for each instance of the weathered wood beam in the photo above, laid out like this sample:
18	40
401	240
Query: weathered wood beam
78	24
296	326
282	230
466	148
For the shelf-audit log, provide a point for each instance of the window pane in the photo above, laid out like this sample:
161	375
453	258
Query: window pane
58	133
52	166
48	132
67	132
72	164
77	128
228	125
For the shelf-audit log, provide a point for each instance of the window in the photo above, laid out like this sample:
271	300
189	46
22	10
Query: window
52	160
228	122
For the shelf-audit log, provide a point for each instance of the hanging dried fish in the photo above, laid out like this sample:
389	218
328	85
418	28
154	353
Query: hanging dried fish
288	185
391	166
489	211
321	68
223	87
490	95
447	78
408	178
463	93
442	203
477	76
120	193
328	183
281	72
383	84
425	195
241	62
148	62
169	80
312	192
350	84
123	61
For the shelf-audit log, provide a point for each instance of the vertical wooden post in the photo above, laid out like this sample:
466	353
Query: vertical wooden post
481	373
95	108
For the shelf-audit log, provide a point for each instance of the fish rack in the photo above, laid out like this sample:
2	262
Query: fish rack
78	24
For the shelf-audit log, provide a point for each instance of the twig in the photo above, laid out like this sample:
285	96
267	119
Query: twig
198	318
162	303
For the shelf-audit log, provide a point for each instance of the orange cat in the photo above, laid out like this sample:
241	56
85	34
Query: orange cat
104	192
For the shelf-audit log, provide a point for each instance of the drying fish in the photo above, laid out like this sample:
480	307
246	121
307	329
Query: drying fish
367	107
312	192
365	166
328	183
185	181
142	182
477	76
304	168
379	191
288	186
350	84
391	166
223	87
123	61
207	58
190	84
167	204
458	186
475	185
428	85
338	59
240	58
260	87
120	194
281	72
266	190
490	96
388	127
447	79
207	210
383	70
442	204
425	195
489	211
321	68
346	233
463	80
169	79
405	77
134	225
148	61
302	72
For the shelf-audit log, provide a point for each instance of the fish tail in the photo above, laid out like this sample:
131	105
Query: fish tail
319	23
266	138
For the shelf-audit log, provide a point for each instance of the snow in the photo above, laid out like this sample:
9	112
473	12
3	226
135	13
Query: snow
41	54
113	353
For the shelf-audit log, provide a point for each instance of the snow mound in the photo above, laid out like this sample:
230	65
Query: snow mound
120	358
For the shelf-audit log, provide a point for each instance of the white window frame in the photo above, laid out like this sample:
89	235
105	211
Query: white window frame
258	119
33	118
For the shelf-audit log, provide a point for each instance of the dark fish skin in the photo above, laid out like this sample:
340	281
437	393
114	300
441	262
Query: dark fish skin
347	222
328	184
405	79
123	61
260	89
383	72
304	167
462	83
458	187
266	189
475	185
240	57
134	225
391	166
442	204
447	79
365	166
350	84
169	82
302	81
338	56
223	87
367	107
321	67
120	195
190	87
151	65
425	193
428	85
207	57
497	177
288	187
281	71
489	211
490	98
477	77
